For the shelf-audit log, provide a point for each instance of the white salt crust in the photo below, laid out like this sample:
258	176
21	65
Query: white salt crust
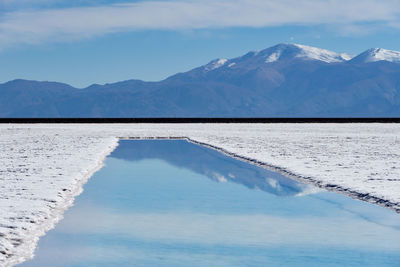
43	167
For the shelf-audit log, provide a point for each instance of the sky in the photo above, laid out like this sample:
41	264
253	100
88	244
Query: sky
81	42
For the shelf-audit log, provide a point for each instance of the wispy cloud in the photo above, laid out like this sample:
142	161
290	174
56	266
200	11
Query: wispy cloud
35	26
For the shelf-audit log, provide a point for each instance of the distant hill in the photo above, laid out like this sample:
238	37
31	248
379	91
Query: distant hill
286	80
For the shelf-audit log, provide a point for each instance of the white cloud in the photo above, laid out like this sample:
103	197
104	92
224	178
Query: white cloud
35	26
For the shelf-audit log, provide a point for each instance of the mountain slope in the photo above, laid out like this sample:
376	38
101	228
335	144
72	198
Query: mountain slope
286	80
377	54
23	98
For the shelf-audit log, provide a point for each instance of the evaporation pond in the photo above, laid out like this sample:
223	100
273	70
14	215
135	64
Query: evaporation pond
174	203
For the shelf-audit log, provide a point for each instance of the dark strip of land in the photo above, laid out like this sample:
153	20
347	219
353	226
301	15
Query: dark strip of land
199	120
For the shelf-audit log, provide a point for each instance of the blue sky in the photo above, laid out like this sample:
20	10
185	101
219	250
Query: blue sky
81	42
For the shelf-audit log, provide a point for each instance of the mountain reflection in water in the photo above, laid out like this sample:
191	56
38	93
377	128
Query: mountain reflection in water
212	164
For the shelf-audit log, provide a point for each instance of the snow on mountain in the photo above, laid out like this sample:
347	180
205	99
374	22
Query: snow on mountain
273	57
378	54
296	51
285	51
215	64
280	52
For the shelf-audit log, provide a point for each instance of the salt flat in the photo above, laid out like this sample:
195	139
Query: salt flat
43	166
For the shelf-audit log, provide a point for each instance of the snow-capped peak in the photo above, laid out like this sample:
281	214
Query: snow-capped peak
321	54
215	64
285	51
378	54
288	52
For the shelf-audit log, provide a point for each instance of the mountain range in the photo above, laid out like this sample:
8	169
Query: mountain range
286	80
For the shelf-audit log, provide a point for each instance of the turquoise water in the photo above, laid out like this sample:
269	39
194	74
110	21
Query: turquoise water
173	203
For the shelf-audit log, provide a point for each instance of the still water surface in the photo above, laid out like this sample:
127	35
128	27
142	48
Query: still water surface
173	203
